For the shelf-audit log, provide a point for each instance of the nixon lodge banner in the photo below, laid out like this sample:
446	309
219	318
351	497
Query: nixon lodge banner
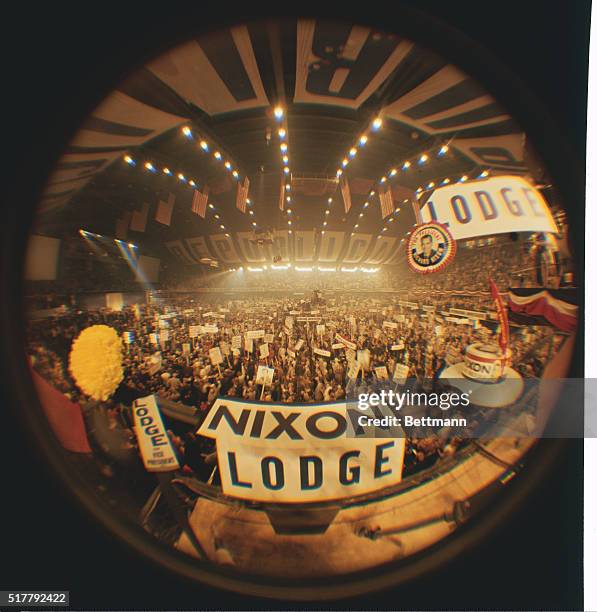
296	454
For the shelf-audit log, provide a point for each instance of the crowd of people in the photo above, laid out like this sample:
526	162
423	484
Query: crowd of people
170	338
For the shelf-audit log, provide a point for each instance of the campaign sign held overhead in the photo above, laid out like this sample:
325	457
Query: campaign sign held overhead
298	454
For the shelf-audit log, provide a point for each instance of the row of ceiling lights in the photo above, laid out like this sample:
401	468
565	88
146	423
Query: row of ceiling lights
363	139
282	123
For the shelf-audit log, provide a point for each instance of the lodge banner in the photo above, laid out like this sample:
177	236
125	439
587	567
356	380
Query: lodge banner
154	444
297	454
492	206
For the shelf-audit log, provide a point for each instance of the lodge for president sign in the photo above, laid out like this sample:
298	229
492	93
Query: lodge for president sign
492	206
294	454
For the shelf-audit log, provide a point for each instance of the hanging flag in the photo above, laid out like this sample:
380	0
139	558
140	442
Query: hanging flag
199	205
345	189
502	315
122	226
164	212
242	193
282	193
139	218
386	203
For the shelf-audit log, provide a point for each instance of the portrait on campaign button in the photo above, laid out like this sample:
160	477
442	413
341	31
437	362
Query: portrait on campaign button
430	248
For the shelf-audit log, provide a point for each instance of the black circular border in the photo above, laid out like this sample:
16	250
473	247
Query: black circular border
509	90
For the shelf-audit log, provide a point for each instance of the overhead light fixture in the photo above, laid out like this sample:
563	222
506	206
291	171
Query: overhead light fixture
227	165
149	166
167	171
377	123
282	133
393	172
283	147
278	112
187	131
363	140
423	158
463	178
406	165
218	155
443	150
192	183
352	152
285	159
286	169
129	160
204	145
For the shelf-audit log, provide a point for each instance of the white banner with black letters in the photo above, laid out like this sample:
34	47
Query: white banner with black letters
294	454
495	205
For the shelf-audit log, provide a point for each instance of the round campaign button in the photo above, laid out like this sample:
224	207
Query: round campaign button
430	248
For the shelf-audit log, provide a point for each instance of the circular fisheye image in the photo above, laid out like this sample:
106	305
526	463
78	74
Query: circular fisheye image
295	292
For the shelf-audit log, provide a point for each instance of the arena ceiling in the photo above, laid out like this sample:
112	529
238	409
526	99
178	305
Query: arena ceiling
332	81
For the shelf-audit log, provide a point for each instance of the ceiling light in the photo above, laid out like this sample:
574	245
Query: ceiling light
278	112
377	123
352	152
218	155
283	147
282	133
186	131
204	145
406	165
363	140
423	158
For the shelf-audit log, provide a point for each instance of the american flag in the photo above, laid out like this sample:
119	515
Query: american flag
200	202
386	202
164	212
242	193
282	193
344	188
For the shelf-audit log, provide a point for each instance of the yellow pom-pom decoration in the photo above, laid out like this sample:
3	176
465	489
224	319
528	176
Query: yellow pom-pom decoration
95	361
